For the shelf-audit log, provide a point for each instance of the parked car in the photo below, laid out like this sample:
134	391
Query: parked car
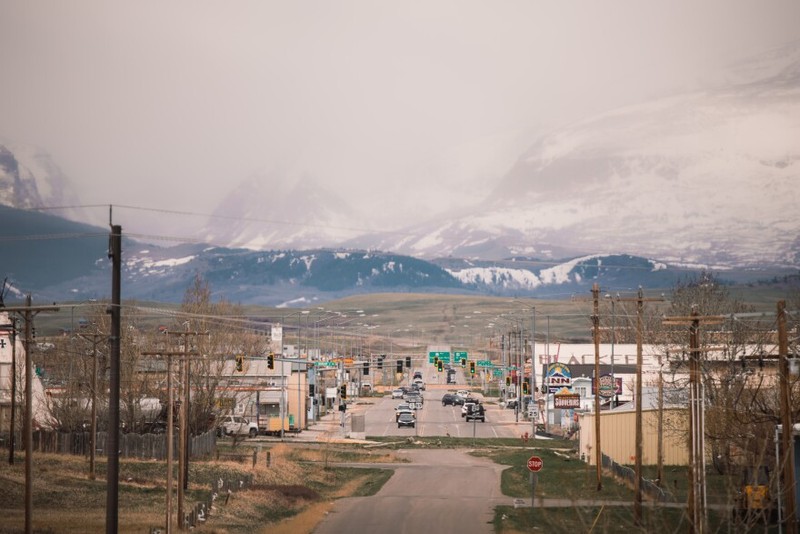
236	425
448	398
397	393
476	413
406	419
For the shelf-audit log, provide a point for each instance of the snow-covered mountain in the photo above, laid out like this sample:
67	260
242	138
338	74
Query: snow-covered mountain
708	177
29	178
280	211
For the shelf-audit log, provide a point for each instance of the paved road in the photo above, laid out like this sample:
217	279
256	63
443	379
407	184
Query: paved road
437	420
439	491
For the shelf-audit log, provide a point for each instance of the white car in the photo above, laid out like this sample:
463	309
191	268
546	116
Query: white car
397	394
463	393
236	425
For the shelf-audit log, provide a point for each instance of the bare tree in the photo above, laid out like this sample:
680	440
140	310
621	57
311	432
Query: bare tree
225	333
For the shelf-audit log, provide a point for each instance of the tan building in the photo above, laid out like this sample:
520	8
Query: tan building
618	436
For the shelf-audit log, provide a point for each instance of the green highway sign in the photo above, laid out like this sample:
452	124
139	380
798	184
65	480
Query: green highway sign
325	364
459	355
443	356
484	363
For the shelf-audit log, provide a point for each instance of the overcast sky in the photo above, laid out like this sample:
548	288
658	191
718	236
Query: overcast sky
171	104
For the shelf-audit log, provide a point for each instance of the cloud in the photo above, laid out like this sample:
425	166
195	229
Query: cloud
172	105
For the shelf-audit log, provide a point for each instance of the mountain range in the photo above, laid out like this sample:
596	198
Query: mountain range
67	261
634	195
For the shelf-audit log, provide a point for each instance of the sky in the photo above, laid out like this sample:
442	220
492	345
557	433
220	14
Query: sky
400	107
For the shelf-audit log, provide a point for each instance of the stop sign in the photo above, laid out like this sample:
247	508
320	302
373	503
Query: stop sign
535	464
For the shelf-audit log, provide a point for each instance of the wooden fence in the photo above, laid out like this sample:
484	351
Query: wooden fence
141	446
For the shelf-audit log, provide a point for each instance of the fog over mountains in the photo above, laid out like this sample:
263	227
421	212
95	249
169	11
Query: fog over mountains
705	178
699	178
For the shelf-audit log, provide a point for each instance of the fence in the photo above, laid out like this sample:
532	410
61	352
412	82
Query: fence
650	488
141	446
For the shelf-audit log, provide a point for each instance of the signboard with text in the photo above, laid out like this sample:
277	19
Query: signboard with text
441	355
566	402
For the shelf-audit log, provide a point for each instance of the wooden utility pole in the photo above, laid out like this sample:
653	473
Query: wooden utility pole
637	484
95	339
13	418
183	439
787	441
115	347
697	475
28	312
596	336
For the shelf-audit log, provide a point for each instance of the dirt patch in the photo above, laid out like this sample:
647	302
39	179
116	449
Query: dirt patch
306	521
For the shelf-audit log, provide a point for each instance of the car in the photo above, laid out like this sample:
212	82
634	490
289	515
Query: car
406	419
236	425
417	375
458	400
419	384
401	412
467	406
415	397
405	407
462	393
448	398
397	393
476	413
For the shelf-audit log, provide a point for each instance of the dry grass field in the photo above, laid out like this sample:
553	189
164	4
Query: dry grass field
295	490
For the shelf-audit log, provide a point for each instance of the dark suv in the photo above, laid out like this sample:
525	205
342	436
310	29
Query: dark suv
476	412
449	398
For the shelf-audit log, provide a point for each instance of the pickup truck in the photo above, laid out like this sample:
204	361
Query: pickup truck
236	425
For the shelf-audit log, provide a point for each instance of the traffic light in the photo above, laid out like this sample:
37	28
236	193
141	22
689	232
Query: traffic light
343	391
271	361
239	362
311	390
525	388
399	366
379	363
408	362
472	367
440	366
508	381
464	363
366	368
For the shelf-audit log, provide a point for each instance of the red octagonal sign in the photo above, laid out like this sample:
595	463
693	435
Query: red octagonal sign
535	464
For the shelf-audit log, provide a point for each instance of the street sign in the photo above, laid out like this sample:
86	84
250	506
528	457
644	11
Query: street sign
460	354
484	363
535	464
443	356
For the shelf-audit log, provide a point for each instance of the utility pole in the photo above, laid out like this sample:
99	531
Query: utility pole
115	310
596	336
95	339
533	405
697	476
787	459
183	439
170	433
637	485
28	312
13	421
